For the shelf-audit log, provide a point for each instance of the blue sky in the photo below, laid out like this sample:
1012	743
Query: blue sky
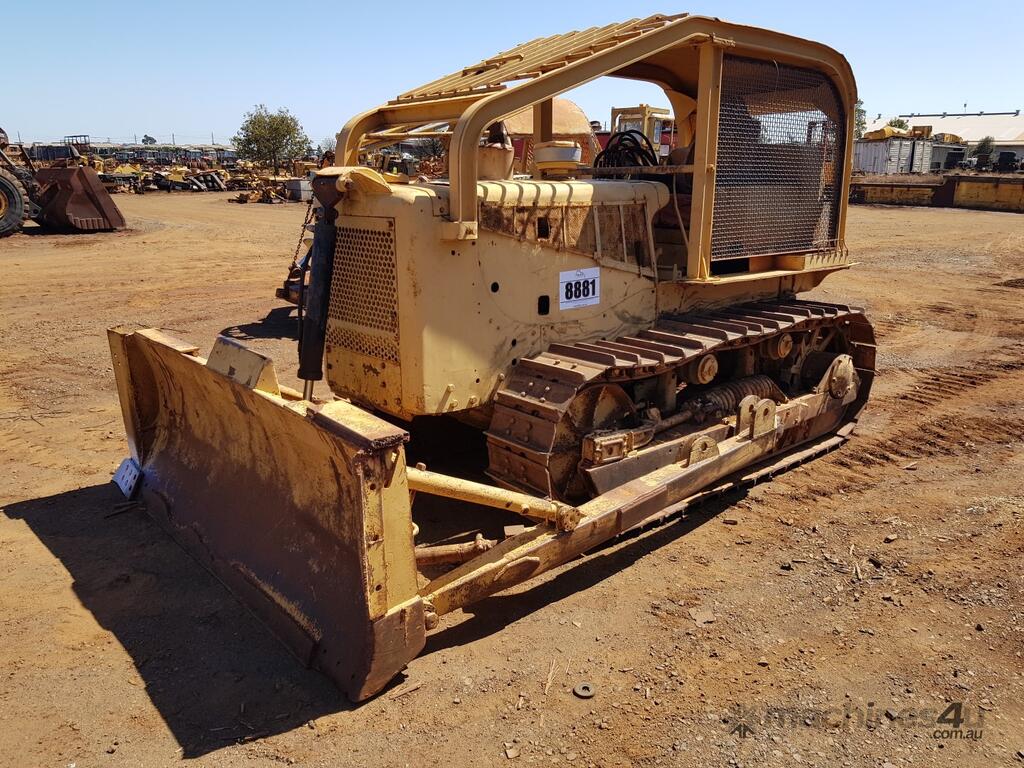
121	69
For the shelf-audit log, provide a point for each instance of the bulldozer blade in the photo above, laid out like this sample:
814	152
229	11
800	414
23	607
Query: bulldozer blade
75	198
301	509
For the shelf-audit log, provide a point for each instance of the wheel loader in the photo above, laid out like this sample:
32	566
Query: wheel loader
623	339
67	199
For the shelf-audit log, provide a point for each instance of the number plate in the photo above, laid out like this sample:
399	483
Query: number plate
127	477
579	288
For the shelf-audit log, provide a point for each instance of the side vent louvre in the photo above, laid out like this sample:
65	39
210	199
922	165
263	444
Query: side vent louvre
363	314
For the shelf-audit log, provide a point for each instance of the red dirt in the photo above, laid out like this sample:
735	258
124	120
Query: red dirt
119	650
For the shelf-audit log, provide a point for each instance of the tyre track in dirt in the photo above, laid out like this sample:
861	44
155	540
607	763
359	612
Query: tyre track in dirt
103	615
938	424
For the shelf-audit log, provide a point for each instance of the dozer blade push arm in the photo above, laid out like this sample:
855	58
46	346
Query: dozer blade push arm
762	431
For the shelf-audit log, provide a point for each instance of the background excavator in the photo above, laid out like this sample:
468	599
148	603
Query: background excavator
610	341
64	199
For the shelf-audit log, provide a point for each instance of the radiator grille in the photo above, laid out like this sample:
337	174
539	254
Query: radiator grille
363	313
781	146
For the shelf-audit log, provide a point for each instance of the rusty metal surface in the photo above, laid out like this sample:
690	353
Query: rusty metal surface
303	512
534	410
446	554
75	198
996	193
437	484
615	231
817	421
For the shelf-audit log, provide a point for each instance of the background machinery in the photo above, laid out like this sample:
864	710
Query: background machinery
619	339
653	122
69	198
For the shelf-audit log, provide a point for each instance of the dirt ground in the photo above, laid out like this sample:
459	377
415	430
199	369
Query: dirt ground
841	609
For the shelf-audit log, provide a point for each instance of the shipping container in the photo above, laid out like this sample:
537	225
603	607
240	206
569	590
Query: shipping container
894	155
921	160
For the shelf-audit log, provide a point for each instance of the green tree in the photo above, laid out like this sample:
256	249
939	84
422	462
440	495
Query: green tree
147	139
428	148
984	147
899	122
860	119
271	137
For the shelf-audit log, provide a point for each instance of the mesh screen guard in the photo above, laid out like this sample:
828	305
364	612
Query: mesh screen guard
781	144
363	310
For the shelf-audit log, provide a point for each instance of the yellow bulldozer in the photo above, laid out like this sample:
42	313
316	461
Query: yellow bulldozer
623	339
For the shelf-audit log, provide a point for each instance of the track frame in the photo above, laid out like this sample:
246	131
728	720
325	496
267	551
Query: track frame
524	438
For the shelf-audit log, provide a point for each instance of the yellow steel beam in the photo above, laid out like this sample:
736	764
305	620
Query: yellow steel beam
562	515
473	111
709	92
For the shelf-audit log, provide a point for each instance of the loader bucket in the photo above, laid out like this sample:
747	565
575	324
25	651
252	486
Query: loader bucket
302	510
75	198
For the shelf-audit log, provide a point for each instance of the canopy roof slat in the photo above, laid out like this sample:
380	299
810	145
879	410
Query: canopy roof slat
535	58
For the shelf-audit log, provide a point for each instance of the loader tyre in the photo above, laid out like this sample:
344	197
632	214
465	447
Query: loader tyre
13	199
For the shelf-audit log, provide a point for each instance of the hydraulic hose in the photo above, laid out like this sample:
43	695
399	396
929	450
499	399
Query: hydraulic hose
627	148
317	298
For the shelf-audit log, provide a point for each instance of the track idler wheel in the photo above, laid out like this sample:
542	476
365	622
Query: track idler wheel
603	407
830	371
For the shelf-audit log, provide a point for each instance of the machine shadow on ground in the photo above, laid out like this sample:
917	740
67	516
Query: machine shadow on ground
279	323
216	675
33	230
213	671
